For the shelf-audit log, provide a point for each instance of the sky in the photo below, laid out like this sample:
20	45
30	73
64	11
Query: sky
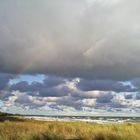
71	57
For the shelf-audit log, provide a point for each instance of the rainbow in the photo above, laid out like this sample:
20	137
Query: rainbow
30	62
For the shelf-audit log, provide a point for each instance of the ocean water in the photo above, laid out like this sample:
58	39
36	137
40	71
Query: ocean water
90	119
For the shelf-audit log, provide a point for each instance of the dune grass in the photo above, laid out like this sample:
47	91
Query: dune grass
38	130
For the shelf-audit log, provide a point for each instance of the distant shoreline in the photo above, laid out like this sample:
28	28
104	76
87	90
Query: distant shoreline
98	120
67	118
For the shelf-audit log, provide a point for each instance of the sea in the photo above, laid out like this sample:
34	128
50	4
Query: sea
88	119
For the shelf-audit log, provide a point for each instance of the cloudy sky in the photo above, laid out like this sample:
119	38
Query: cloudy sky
70	57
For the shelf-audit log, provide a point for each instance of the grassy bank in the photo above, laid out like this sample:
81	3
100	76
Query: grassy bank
37	130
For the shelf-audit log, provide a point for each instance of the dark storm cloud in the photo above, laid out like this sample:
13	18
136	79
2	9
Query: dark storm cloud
51	86
136	83
22	86
54	92
129	96
56	107
28	101
75	38
138	96
104	85
75	93
52	81
71	102
48	82
110	106
105	98
4	80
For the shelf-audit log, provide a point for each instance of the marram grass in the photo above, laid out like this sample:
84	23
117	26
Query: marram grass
38	130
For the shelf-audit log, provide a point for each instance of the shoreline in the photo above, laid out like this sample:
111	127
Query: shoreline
88	120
